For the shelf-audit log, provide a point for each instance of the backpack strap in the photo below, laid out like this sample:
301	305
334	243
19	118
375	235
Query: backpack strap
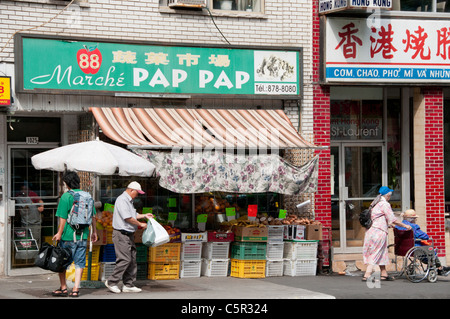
71	210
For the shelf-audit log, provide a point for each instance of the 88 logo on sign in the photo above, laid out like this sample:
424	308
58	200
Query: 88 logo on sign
89	59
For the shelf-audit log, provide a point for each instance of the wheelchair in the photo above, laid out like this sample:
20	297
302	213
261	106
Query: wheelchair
419	262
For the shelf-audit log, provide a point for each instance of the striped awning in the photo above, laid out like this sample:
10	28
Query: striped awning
162	128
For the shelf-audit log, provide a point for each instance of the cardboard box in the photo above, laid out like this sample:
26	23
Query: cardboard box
250	234
314	232
138	236
220	236
101	234
294	232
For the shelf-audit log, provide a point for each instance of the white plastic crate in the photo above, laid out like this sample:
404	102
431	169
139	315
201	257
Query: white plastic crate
190	268
276	233
300	267
274	251
215	267
106	270
216	250
300	250
274	268
191	251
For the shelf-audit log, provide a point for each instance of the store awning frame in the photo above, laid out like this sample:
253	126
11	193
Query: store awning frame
199	129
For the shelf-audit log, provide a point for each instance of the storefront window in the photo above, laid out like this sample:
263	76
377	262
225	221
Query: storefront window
156	200
422	5
356	120
394	124
31	129
187	207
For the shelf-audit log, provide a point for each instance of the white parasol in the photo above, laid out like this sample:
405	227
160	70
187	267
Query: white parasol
94	157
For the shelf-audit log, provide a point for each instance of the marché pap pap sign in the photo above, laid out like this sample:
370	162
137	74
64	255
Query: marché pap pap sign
49	64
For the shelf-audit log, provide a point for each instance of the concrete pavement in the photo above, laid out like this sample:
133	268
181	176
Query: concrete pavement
309	287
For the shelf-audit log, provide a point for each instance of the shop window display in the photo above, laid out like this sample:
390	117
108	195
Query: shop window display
163	203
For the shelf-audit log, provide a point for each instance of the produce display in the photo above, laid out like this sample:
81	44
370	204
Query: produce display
206	204
264	220
104	219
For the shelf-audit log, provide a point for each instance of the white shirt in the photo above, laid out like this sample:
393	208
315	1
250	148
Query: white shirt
123	209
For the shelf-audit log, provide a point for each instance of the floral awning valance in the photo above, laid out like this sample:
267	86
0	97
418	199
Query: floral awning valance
199	172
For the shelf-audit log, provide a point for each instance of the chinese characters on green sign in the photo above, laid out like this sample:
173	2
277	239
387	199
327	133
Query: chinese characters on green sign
99	66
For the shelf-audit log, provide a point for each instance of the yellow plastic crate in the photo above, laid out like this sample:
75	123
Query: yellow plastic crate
163	271
95	254
109	231
248	268
95	270
165	253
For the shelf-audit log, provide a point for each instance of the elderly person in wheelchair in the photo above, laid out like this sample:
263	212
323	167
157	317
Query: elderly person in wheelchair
421	259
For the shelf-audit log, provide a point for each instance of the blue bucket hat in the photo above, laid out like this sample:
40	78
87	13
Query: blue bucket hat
385	190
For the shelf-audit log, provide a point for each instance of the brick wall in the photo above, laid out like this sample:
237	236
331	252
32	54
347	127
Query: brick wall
321	115
434	166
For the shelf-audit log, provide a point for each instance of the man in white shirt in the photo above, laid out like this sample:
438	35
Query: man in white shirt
125	223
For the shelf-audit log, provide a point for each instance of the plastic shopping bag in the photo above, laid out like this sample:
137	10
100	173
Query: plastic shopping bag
154	235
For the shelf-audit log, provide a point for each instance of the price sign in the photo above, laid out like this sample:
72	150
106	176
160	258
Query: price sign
282	214
147	210
252	211
108	207
230	213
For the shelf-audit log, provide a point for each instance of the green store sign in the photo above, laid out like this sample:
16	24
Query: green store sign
76	65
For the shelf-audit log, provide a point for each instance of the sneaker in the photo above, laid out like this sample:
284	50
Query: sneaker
113	289
445	271
131	289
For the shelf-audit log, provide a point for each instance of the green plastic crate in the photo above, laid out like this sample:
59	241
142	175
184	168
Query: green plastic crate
248	251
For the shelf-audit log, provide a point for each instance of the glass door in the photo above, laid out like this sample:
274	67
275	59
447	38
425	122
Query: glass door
358	174
34	195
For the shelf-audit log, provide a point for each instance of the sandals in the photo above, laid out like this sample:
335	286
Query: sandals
63	293
382	278
60	292
387	278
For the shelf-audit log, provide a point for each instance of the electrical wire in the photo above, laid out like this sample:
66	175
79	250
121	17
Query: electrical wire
35	27
212	18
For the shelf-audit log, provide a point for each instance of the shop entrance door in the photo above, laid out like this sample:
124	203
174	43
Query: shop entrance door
358	173
32	205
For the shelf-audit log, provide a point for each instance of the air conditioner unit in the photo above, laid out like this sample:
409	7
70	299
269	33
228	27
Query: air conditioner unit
187	3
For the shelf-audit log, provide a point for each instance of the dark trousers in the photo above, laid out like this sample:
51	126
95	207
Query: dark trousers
126	266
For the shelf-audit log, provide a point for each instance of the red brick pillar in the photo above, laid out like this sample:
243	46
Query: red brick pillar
434	166
321	127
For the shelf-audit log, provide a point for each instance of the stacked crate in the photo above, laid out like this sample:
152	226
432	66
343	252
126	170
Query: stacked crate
95	266
191	259
300	258
248	259
142	261
215	259
274	253
164	261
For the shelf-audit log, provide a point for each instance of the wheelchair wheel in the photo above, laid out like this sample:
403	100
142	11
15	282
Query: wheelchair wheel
416	264
432	275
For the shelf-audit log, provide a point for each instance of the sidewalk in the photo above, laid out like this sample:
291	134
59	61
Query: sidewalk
269	288
40	286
